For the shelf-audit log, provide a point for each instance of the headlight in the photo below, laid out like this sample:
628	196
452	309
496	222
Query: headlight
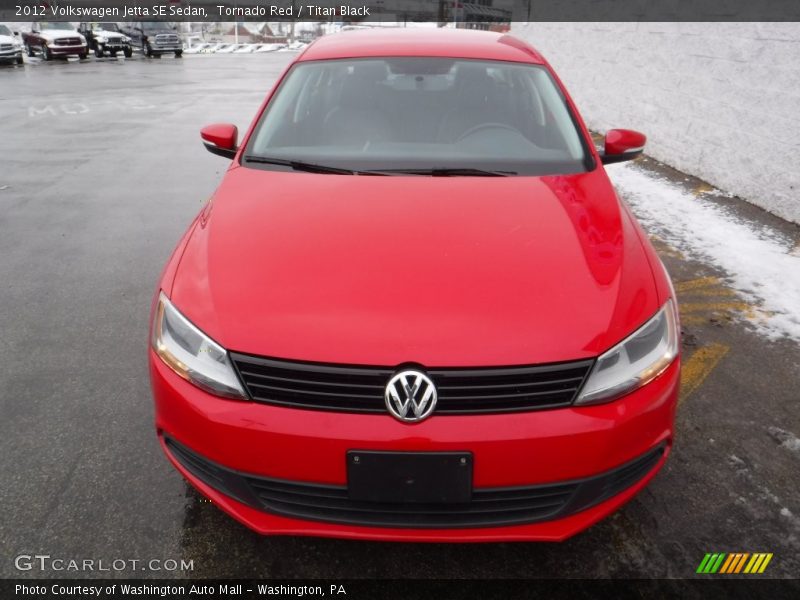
192	354
101	40
635	361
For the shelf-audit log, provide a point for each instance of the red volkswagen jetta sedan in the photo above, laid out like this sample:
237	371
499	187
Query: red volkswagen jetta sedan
415	308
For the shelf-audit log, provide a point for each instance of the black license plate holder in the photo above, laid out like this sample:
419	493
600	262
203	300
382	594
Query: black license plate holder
402	477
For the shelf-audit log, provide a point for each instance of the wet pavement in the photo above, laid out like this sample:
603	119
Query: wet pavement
102	169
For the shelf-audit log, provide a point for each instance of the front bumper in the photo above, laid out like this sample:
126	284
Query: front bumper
156	49
113	47
549	447
67	50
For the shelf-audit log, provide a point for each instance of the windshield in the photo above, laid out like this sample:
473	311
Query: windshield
5	30
55	25
157	26
103	27
418	114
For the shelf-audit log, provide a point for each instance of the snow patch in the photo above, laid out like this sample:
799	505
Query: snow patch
759	261
785	438
736	461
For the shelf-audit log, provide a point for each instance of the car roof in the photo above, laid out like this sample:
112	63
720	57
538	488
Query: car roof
450	43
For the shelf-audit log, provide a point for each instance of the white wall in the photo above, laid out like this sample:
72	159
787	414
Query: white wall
717	100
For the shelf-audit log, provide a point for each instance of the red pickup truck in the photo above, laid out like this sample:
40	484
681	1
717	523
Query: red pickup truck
52	39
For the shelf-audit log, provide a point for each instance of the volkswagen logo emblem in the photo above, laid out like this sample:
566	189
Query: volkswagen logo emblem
410	396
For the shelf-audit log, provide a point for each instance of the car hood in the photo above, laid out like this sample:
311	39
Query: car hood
6	39
57	34
440	271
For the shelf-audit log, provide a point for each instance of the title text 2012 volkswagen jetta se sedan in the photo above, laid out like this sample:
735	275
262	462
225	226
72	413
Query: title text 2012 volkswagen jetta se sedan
415	308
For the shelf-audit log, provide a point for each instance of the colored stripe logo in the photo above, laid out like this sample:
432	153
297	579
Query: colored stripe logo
734	562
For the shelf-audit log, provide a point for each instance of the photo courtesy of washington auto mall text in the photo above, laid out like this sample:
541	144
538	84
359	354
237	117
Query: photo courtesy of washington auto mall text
198	590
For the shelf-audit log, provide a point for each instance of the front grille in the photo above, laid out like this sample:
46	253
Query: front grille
6	47
166	39
68	42
361	389
489	507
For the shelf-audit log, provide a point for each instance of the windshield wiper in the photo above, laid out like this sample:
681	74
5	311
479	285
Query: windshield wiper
298	165
445	172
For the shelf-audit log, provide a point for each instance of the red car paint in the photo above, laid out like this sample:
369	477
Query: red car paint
522	270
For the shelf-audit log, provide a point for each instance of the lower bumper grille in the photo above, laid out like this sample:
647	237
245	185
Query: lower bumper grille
489	507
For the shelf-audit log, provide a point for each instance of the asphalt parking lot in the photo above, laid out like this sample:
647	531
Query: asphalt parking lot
102	169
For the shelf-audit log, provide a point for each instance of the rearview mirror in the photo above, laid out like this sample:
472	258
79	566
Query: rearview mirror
622	145
220	139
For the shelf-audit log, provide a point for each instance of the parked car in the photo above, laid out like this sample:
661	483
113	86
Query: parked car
415	308
197	48
154	38
269	48
54	39
10	46
227	48
105	38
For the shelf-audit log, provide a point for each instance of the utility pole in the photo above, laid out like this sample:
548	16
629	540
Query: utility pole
291	23
235	25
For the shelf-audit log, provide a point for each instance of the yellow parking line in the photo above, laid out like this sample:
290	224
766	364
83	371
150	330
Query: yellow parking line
664	249
693	284
693	307
721	291
693	320
695	370
703	188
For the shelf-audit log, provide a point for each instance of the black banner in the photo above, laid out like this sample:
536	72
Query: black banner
744	587
399	11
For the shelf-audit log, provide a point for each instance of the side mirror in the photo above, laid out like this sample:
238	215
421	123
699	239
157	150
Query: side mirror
220	139
16	33
622	145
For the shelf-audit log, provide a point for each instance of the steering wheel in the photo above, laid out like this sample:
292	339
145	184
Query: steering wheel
482	126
